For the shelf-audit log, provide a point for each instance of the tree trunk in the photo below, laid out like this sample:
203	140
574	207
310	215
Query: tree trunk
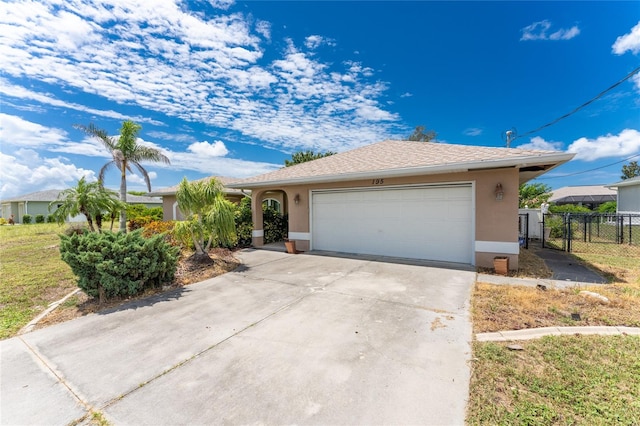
102	297
123	198
89	219
99	222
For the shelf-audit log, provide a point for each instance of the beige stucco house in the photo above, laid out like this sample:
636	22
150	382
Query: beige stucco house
170	210
419	200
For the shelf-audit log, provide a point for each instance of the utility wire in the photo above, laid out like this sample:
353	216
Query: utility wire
590	170
598	96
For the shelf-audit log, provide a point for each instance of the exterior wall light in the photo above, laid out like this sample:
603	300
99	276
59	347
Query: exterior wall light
499	192
296	199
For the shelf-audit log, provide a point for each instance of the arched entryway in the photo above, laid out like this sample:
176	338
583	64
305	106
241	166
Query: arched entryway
270	216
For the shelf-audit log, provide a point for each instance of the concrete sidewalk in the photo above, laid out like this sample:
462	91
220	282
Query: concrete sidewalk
536	333
284	339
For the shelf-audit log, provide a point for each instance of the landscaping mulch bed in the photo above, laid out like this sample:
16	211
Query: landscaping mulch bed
190	270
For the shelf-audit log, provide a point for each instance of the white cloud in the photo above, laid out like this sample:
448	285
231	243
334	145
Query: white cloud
472	131
264	29
315	41
206	149
14	91
538	143
628	42
25	170
19	132
221	4
171	137
539	31
624	144
135	178
636	81
406	95
206	69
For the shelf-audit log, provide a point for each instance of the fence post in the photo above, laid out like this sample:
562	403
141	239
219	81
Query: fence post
568	229
526	233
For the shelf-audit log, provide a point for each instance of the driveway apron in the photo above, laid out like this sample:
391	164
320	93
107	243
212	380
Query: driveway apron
283	339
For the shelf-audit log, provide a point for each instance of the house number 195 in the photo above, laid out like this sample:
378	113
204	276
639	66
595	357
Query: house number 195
377	181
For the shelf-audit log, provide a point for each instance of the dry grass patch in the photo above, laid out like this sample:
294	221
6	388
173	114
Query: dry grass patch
564	380
500	307
529	266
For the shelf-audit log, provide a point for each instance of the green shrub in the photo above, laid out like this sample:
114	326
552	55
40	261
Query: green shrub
556	226
3	221
276	225
244	223
608	207
135	211
39	218
568	208
51	219
118	264
26	219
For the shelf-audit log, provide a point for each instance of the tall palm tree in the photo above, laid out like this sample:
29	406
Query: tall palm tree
125	151
88	198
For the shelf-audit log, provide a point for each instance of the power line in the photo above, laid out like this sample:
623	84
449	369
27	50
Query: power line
590	170
598	96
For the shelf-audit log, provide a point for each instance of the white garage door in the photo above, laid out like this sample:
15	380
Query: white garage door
433	222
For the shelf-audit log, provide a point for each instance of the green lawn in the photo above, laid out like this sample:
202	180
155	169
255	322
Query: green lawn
33	275
560	380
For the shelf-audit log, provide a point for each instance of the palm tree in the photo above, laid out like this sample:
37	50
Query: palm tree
88	198
125	151
210	217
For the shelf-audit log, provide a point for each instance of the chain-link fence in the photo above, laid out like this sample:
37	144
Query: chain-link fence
593	233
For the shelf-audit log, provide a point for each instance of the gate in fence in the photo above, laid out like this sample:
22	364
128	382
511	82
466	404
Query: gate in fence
592	233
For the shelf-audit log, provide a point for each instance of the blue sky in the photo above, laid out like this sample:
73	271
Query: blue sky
233	88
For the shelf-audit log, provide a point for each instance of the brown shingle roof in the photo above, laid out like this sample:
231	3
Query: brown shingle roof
405	157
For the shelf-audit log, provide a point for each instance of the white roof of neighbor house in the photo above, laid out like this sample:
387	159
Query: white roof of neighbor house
404	158
584	193
171	190
627	182
52	195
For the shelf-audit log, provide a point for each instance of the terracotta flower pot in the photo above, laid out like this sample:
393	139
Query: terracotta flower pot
291	247
501	265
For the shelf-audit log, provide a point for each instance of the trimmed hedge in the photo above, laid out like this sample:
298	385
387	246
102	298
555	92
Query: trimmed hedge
113	264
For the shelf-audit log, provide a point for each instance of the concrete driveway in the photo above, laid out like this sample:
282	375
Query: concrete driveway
285	339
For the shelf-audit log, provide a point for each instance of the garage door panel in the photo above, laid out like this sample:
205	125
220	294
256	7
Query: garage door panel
426	223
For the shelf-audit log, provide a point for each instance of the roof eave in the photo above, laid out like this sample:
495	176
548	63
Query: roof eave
556	158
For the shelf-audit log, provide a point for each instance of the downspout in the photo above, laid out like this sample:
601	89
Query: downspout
245	194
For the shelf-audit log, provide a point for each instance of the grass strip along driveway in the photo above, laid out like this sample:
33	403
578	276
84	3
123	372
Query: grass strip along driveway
33	275
564	380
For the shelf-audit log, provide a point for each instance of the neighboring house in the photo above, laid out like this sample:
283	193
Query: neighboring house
37	203
590	196
172	212
419	200
628	195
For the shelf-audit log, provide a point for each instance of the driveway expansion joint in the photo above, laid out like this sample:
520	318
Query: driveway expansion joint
88	407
